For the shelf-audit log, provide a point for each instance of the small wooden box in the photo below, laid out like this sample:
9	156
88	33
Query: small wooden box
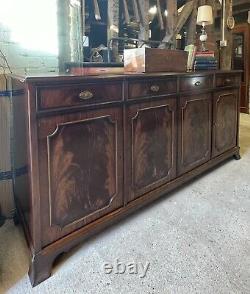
147	60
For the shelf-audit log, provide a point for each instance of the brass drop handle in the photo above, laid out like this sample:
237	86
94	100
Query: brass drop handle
155	88
85	95
197	84
227	81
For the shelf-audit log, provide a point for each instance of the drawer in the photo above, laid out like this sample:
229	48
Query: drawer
78	95
152	87
196	83
228	80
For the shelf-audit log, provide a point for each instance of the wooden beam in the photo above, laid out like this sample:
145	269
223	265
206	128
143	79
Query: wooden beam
182	18
63	34
136	10
211	41
126	13
113	26
191	33
159	14
245	10
240	2
226	52
69	33
144	19
202	2
171	18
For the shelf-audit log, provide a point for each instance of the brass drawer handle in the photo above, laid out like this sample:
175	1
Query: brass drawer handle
197	84
85	95
155	88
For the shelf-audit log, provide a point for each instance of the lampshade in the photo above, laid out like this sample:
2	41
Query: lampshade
205	15
248	20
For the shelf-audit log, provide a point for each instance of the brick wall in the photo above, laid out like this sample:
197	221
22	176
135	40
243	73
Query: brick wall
23	60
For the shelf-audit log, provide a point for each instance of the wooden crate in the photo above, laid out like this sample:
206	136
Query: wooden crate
149	60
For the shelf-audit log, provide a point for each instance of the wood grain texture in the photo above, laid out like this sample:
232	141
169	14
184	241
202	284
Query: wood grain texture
181	20
143	6
194	133
225	106
81	153
90	166
152	87
114	7
171	6
196	83
147	60
151	137
192	26
73	193
68	95
6	193
211	40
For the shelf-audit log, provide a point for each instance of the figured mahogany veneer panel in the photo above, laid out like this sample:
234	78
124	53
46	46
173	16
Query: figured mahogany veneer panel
74	193
194	133
81	156
194	83
225	121
152	87
90	166
152	137
77	95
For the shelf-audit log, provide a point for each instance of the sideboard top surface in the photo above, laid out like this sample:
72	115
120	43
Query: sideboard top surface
61	77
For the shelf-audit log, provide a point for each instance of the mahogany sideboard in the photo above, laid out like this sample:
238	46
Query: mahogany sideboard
98	148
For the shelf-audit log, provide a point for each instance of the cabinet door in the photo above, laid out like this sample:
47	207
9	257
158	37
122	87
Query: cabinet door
151	141
225	121
241	61
81	169
194	131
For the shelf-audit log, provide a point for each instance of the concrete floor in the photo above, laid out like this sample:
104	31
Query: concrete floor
196	241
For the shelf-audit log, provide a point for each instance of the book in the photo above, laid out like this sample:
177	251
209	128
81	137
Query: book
207	67
204	58
205	54
205	61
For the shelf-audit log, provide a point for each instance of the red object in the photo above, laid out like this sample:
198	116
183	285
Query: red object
87	71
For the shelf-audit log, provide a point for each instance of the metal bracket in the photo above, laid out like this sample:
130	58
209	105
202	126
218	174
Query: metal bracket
9	175
11	93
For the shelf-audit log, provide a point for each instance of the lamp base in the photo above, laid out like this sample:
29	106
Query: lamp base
203	39
203	47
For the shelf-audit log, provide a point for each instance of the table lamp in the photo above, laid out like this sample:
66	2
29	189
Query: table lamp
204	18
